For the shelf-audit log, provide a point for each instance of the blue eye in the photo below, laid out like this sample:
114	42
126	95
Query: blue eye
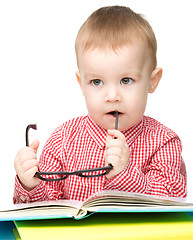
96	82
126	81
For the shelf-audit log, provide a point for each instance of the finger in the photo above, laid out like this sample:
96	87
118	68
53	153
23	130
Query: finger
21	169
109	137
29	175
30	164
112	159
117	151
34	145
116	143
24	150
26	156
116	134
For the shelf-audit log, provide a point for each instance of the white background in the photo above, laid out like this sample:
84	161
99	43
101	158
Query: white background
37	66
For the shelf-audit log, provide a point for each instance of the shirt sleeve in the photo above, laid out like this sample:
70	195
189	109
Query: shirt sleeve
165	175
50	160
23	196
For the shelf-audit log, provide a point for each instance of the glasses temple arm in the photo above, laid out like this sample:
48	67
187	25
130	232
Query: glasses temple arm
33	126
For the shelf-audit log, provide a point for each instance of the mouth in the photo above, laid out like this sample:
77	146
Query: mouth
114	113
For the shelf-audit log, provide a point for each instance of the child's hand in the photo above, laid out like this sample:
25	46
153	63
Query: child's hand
117	152
26	165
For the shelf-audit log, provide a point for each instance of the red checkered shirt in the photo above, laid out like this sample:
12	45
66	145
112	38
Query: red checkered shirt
156	166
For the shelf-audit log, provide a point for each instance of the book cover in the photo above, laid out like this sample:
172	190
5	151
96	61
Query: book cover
108	226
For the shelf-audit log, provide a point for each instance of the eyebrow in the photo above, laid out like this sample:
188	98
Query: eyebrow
131	73
122	75
92	76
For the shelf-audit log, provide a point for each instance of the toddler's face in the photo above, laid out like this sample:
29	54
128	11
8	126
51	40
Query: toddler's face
116	82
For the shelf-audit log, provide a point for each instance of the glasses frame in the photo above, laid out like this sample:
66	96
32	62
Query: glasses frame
79	173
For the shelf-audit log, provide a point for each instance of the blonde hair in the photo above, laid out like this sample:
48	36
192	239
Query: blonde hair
114	27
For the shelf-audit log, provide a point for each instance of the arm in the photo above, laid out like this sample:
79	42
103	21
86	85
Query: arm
163	176
49	161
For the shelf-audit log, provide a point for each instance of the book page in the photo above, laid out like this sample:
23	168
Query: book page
118	199
39	210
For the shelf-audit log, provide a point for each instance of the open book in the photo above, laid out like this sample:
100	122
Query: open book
106	201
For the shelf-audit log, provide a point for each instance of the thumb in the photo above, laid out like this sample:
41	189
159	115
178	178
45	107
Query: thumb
35	144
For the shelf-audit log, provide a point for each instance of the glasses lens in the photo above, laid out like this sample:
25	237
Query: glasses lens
51	177
92	173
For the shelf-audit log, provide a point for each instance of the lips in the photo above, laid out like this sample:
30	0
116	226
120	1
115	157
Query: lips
113	113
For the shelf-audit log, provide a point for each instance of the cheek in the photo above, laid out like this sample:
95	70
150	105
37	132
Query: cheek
92	102
137	98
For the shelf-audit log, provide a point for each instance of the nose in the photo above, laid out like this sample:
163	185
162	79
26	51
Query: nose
112	94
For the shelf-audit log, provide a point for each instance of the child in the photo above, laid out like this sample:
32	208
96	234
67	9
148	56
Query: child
116	58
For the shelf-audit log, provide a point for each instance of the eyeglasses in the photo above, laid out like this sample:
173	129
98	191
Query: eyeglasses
81	173
61	175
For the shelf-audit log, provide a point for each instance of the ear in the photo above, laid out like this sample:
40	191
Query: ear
79	80
155	78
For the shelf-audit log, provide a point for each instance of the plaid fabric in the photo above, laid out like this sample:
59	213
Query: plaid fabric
156	166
